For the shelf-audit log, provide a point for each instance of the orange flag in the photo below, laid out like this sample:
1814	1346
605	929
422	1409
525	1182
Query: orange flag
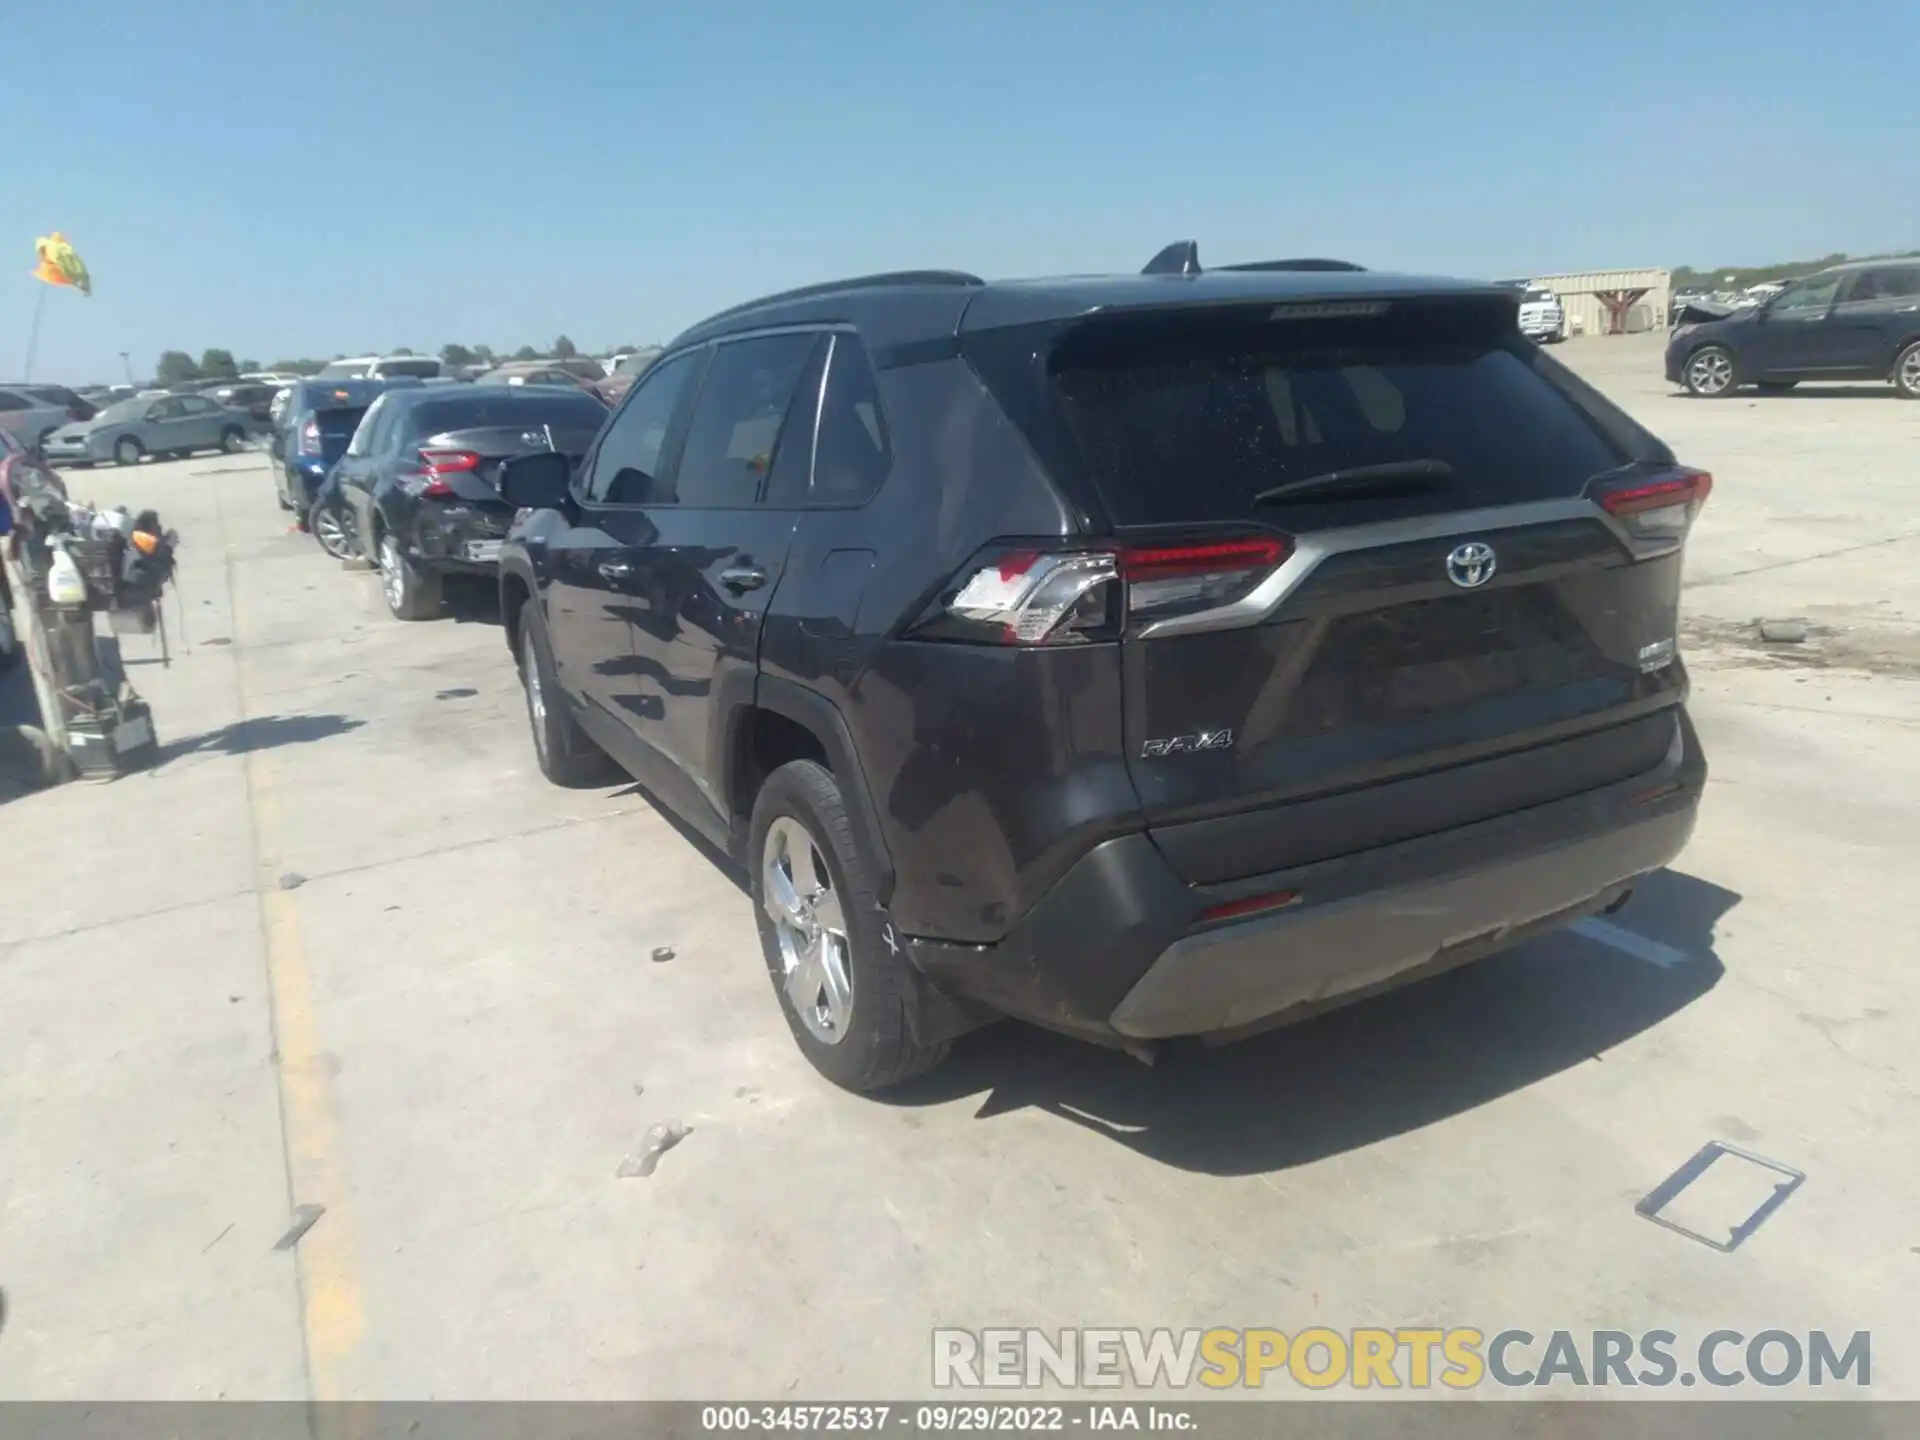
59	265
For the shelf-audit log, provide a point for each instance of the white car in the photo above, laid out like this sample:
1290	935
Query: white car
381	367
1542	319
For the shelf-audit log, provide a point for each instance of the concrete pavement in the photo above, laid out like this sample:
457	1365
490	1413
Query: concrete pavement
448	1032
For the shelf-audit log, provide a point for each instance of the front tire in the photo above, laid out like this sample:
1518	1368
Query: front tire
1709	372
127	451
412	593
1906	372
565	753
847	993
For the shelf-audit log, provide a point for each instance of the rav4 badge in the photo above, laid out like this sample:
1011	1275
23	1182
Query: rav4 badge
1187	744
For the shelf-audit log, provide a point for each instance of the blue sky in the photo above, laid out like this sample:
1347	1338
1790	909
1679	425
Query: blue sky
309	178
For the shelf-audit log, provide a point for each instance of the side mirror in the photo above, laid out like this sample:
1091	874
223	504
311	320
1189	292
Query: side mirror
536	482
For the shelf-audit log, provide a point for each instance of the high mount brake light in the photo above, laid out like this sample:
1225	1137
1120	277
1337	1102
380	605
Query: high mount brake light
1025	596
1657	510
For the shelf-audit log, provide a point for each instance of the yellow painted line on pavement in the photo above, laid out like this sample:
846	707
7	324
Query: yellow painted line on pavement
333	1319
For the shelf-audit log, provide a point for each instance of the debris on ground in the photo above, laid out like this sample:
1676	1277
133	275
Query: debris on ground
292	880
217	640
660	1139
218	1238
458	692
1783	632
638	1088
305	1217
662	954
233	999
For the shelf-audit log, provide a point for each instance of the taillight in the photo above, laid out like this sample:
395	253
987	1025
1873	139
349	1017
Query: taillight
1024	596
1165	580
435	465
310	438
1660	509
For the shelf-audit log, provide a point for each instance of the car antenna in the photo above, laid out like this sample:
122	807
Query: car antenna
1180	258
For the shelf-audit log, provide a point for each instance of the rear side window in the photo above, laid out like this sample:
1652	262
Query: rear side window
736	421
11	401
1181	428
853	454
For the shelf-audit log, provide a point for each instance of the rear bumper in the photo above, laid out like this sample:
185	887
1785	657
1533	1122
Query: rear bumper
460	536
1117	950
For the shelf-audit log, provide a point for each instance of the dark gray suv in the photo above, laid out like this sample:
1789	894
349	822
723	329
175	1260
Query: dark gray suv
1851	322
1149	656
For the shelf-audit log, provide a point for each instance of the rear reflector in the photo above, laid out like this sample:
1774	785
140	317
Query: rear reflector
448	462
1251	905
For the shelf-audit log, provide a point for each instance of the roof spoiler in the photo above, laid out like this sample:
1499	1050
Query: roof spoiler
1183	258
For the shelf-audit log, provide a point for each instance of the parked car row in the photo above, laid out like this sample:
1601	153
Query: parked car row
1148	657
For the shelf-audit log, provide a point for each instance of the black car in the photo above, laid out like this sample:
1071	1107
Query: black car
311	434
1145	656
1859	321
256	399
419	484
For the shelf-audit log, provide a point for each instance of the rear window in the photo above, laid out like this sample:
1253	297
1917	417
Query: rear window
340	421
344	370
1179	427
478	412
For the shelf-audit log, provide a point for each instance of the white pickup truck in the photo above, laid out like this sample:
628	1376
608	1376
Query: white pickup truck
1541	317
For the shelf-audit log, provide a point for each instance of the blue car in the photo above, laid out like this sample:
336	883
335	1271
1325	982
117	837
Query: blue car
312	433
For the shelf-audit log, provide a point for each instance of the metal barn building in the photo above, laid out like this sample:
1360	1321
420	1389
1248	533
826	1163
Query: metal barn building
1612	302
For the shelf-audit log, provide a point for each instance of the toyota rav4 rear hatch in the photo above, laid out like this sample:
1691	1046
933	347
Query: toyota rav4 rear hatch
1379	568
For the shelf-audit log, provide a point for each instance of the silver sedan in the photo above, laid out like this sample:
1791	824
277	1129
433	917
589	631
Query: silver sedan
153	425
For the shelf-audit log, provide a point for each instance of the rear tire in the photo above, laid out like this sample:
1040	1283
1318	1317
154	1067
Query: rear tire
413	593
331	532
1709	373
847	994
565	753
1906	373
127	451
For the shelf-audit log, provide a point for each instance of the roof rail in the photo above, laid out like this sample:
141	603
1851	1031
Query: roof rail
1180	258
857	282
1303	264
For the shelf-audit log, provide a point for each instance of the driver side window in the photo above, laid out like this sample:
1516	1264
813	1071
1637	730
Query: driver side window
627	465
1809	300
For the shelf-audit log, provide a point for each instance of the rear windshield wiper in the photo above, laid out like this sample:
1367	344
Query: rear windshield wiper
1393	477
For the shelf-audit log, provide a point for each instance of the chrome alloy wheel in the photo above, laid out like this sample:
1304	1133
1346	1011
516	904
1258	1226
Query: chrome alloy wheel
393	577
815	958
1710	372
536	696
1910	372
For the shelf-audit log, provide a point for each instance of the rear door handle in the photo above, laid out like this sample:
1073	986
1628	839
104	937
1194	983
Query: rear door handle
615	570
743	577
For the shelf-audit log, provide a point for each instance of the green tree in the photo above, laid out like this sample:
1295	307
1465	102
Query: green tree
248	367
218	365
400	350
526	352
451	354
564	349
483	355
175	367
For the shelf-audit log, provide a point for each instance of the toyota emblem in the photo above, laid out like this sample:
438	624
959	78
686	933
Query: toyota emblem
1471	565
